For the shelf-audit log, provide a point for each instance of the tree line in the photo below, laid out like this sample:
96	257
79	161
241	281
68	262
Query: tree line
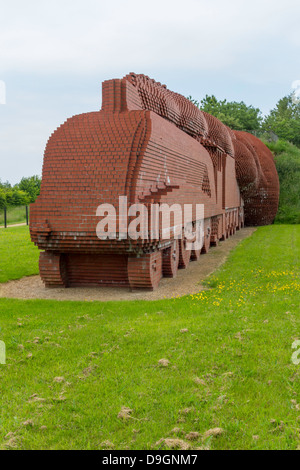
283	120
21	194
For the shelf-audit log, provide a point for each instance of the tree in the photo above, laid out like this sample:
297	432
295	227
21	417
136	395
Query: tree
31	186
21	194
284	120
5	185
16	197
2	198
236	115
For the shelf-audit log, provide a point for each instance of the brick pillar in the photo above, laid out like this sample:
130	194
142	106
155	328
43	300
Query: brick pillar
171	260
145	272
52	269
184	254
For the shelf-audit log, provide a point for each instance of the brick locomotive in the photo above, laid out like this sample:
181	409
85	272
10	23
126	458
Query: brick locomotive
153	146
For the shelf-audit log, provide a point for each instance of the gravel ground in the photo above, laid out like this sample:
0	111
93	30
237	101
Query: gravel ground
13	225
187	281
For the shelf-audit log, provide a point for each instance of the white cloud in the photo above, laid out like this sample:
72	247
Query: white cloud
83	36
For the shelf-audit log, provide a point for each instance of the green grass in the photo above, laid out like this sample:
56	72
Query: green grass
18	256
287	159
15	215
238	343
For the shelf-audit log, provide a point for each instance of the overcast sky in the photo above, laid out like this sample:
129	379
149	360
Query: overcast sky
55	54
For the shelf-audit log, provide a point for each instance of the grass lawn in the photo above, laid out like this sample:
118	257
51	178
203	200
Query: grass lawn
18	256
72	366
15	215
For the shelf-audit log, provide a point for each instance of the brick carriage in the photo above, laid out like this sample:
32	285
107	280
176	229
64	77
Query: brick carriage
153	146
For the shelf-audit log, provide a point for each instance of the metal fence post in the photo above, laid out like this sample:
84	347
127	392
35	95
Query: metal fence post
5	218
27	218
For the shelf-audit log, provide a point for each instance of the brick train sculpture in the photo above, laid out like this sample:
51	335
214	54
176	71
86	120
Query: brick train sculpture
154	147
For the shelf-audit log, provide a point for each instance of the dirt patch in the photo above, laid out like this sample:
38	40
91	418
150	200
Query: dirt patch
187	281
13	225
174	444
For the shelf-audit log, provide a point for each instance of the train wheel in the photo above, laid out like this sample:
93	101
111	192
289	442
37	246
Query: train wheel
205	248
207	234
184	254
198	241
145	272
215	242
195	255
170	260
